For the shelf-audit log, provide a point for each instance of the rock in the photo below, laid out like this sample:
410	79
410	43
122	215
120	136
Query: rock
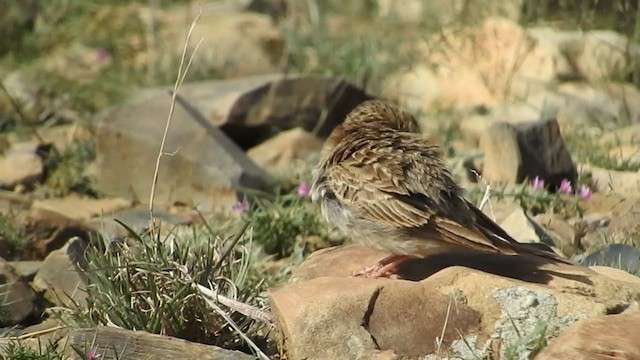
605	337
61	277
50	331
440	13
112	342
607	180
80	208
617	220
26	269
482	66
235	44
524	229
481	295
45	231
626	155
602	54
137	219
515	153
18	300
562	234
275	8
23	89
21	165
499	211
248	109
584	104
622	136
213	164
619	256
285	149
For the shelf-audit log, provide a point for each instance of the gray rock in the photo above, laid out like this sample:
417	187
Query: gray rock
516	152
620	256
61	277
523	311
137	219
26	269
18	300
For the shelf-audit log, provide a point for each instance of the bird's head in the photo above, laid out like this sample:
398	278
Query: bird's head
382	115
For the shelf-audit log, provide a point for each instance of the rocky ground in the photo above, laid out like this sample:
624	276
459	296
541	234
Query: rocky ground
536	104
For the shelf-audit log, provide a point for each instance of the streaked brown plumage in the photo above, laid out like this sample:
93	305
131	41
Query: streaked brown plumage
382	183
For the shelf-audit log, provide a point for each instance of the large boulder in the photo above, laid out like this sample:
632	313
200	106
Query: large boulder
462	303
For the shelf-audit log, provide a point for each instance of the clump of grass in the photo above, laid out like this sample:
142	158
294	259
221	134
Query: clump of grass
12	235
151	283
65	171
280	223
16	350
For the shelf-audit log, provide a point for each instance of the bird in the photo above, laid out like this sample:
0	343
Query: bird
386	186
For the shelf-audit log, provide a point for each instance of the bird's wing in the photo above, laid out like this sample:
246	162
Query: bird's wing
408	189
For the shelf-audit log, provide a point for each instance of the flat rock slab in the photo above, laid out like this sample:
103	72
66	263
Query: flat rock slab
113	343
456	298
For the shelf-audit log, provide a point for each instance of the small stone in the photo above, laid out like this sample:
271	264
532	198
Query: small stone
21	165
26	269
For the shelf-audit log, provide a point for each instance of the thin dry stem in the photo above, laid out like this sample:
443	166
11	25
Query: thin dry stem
209	297
182	72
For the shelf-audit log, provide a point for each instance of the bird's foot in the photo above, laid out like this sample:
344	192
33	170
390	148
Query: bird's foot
384	268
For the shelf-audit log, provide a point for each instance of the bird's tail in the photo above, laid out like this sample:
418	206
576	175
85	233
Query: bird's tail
490	229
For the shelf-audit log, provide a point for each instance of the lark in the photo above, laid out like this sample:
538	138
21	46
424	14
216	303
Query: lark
387	187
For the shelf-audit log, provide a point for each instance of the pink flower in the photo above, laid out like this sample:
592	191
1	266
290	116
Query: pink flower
565	187
537	183
303	189
241	206
102	54
585	192
93	355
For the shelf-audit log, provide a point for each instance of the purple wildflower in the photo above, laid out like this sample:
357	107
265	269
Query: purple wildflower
537	183
241	206
565	187
585	192
102	54
93	355
303	189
